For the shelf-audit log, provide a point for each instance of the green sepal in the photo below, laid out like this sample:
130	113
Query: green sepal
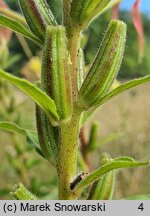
55	70
106	65
48	136
18	27
103	188
38	16
83	11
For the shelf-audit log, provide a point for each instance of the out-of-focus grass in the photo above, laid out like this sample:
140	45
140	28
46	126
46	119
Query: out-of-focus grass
128	114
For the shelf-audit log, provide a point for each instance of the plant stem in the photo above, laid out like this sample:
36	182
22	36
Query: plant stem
73	47
68	147
66	9
67	156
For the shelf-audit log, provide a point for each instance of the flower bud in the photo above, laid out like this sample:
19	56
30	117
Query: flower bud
103	188
83	11
106	65
55	70
48	136
38	16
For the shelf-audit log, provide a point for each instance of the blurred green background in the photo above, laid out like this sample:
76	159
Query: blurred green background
126	118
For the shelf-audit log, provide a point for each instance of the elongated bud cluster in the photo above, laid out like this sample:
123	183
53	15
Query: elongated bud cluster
38	16
103	188
55	70
48	136
106	65
83	11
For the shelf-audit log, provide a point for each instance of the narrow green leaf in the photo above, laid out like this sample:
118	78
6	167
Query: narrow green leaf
122	88
11	127
20	192
32	139
105	66
31	136
41	98
115	164
13	15
19	28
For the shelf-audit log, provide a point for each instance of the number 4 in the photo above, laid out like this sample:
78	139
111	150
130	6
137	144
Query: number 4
141	207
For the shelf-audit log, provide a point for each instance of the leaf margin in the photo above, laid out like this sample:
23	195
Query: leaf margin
40	97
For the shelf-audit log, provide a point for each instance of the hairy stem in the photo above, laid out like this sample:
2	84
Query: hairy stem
67	156
66	9
73	46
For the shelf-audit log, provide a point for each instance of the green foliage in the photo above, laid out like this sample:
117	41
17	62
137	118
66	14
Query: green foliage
65	94
34	92
130	68
83	11
18	27
13	15
103	188
99	101
30	136
12	128
106	65
55	67
124	162
48	136
56	7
